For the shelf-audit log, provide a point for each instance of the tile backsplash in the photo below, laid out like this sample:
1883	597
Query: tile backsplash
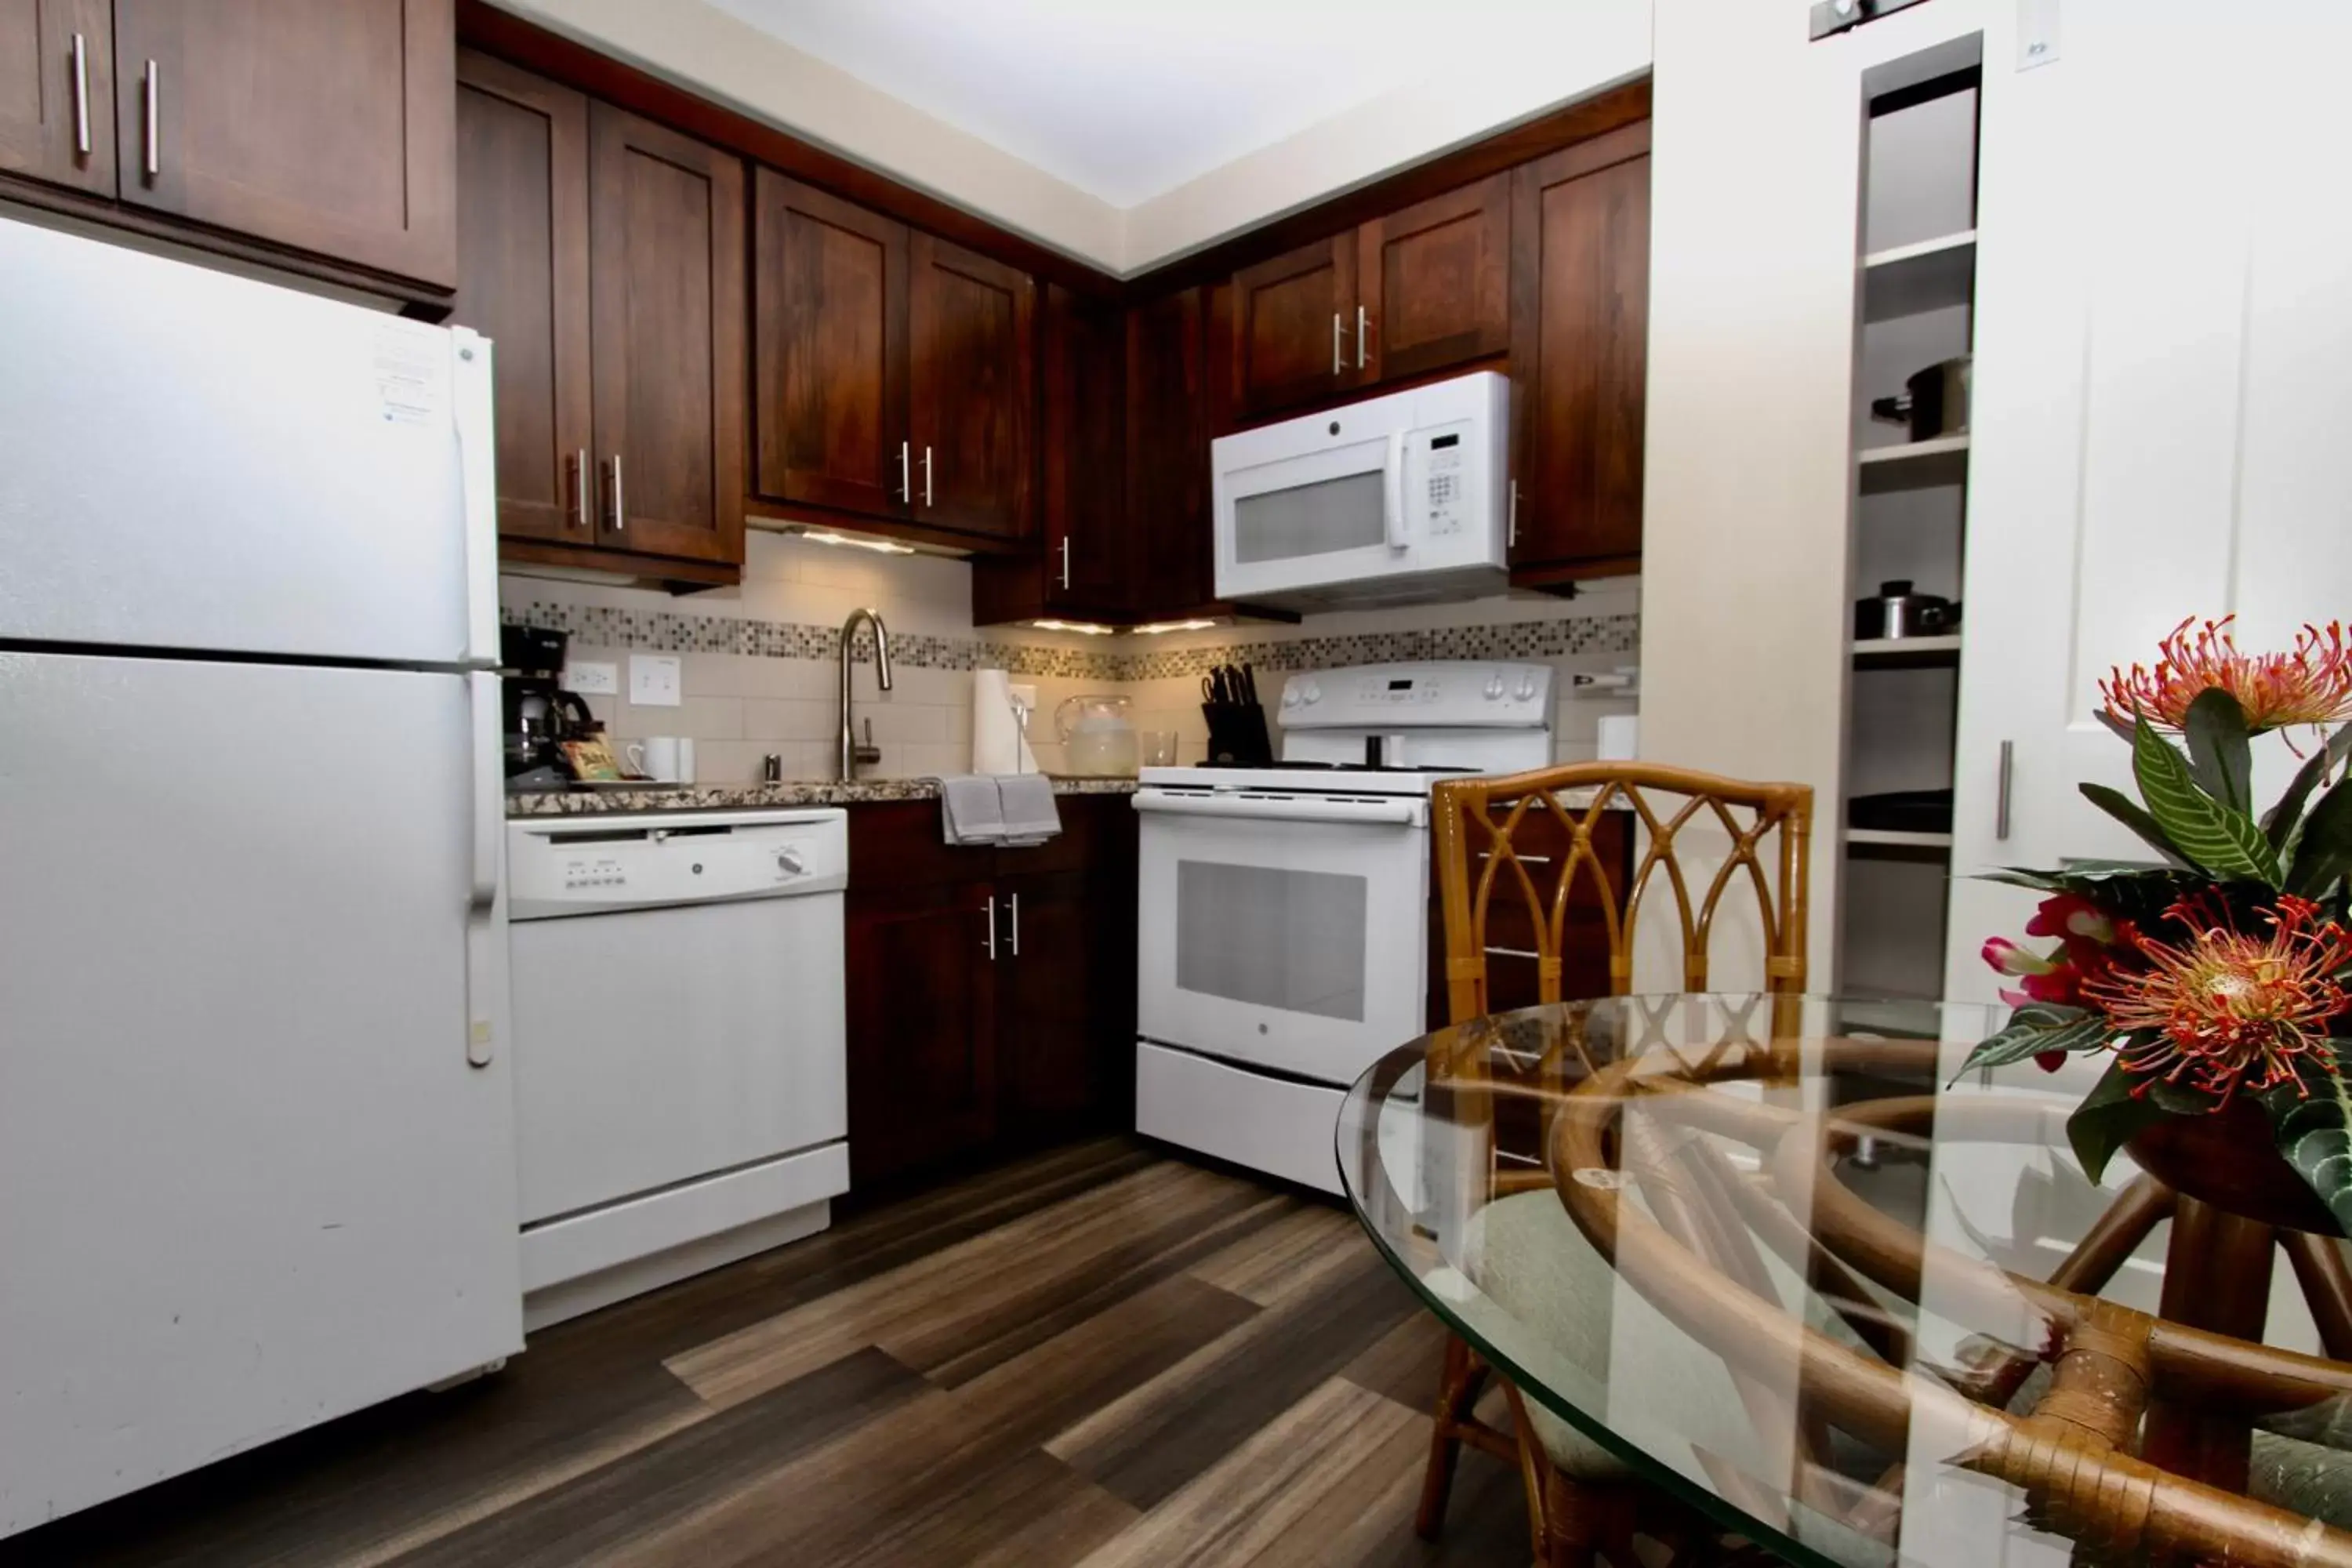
759	672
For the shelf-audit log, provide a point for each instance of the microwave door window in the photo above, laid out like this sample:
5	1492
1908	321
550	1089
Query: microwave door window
1291	941
1320	517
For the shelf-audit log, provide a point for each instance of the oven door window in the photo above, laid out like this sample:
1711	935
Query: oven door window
1322	516
1290	940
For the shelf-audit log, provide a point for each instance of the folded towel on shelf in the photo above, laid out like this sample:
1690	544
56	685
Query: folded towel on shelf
971	811
1030	815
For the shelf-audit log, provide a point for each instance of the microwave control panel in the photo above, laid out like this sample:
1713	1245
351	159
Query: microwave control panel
1443	482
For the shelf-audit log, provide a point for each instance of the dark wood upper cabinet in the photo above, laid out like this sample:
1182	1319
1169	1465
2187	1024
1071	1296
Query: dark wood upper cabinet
667	299
326	126
523	280
1085	566
829	351
1168	453
1433	283
1580	336
57	92
1293	323
972	389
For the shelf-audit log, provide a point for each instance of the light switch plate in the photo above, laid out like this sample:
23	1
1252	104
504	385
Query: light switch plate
592	678
653	679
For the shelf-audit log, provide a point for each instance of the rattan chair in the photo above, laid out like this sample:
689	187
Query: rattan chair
1579	1503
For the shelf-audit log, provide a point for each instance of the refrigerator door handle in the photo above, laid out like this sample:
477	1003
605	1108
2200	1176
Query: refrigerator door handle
485	927
470	402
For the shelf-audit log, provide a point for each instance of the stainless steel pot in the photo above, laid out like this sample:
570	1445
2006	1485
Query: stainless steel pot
1898	611
1934	403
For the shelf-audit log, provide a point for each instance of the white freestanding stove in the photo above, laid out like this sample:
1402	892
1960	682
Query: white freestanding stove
1284	943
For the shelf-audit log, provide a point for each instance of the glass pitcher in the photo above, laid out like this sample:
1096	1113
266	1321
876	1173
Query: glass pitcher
1098	737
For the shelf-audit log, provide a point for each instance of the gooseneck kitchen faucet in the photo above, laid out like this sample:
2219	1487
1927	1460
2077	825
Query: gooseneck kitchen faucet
853	755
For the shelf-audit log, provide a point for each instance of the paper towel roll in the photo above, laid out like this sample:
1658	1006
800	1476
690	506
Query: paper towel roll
998	743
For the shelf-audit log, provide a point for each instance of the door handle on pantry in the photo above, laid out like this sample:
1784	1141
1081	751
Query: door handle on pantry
2000	796
992	928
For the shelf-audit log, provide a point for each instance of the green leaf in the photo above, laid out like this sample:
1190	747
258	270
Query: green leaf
2221	839
2126	810
2279	821
2221	752
2324	852
2036	1028
2106	1119
2315	1135
2019	877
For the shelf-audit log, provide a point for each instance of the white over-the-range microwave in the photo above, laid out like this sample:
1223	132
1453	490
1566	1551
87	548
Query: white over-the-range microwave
1392	500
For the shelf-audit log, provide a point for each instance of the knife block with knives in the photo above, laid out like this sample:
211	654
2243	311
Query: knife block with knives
1237	732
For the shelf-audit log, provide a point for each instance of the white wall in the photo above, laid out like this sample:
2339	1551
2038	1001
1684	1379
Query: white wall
1755	199
1568	51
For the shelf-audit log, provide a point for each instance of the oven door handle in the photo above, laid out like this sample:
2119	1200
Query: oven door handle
1362	812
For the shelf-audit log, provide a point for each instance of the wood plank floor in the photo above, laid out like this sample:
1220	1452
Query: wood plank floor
1098	1356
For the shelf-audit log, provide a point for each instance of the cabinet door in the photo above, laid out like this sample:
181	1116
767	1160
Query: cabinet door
922	1008
1168	454
1294	327
1086	537
972	389
829	323
57	92
666	288
1433	282
522	281
326	125
1580	336
1062	1048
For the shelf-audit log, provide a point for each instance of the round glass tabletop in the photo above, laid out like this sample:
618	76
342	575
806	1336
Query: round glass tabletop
1763	1256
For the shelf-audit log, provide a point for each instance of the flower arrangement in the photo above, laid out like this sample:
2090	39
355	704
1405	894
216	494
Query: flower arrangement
2222	973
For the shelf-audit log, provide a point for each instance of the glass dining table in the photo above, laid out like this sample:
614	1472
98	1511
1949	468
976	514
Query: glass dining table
1775	1262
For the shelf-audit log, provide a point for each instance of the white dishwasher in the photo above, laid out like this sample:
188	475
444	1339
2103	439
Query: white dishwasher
679	1070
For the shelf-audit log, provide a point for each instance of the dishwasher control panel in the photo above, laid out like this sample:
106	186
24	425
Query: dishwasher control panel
591	865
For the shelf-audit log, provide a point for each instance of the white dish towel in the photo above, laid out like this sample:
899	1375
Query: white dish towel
1030	815
1016	810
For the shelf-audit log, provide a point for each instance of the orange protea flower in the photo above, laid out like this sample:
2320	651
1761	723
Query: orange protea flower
2312	685
2229	1011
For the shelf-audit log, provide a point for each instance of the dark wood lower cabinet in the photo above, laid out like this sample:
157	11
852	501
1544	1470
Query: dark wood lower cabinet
992	992
1511	980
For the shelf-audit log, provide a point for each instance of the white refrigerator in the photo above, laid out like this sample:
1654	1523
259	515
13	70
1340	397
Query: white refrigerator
257	1144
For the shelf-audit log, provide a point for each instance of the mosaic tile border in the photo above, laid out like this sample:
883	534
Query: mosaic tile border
670	631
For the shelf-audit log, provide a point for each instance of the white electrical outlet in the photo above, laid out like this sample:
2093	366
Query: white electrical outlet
592	678
653	679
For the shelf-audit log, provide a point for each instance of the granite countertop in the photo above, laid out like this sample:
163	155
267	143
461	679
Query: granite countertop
791	792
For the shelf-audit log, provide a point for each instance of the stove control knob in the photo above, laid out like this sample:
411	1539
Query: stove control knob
1494	687
1314	693
1527	689
790	863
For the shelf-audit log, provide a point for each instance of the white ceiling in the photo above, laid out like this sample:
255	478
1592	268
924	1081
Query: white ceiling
1128	99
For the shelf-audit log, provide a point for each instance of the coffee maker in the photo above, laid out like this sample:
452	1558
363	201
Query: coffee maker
540	714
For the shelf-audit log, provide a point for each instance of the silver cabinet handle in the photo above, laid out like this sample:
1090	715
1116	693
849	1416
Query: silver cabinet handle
576	514
1065	563
1014	901
1360	337
992	928
81	96
906	472
927	474
2001	797
1336	363
616	506
154	123
1514	541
